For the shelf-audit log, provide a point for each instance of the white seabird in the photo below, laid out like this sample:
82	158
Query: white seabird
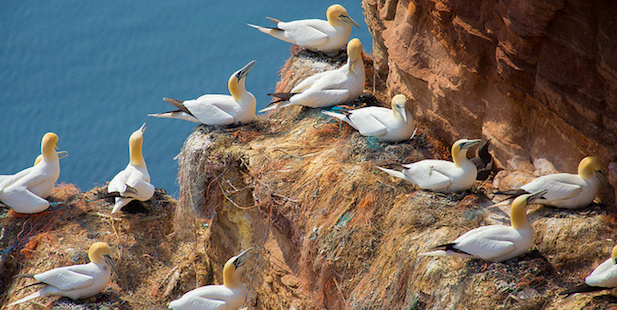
441	175
134	181
565	190
239	108
602	278
495	243
324	89
228	296
77	281
315	34
390	125
25	191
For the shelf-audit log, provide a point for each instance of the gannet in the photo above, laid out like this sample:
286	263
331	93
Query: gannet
315	34
228	296
239	108
565	190
603	277
495	243
328	88
77	281
483	161
25	191
390	125
440	175
134	181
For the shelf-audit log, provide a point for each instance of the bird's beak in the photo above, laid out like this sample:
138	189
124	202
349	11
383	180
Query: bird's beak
62	154
142	129
245	70
471	143
602	177
111	263
242	257
348	19
403	112
535	196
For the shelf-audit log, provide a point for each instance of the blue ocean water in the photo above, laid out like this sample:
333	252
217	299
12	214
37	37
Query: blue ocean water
91	71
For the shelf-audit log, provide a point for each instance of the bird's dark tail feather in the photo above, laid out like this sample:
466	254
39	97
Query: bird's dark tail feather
582	288
178	104
513	193
281	97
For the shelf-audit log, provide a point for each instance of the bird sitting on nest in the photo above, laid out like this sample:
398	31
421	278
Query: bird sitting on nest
230	295
314	34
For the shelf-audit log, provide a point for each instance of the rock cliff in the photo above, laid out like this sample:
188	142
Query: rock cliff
331	231
536	77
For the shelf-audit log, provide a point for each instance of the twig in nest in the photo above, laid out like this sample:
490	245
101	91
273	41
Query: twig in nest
285	198
104	215
280	150
233	202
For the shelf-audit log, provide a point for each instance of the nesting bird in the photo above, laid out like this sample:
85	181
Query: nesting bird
25	191
441	175
315	34
602	278
239	108
77	281
565	190
228	296
495	243
134	181
389	125
324	89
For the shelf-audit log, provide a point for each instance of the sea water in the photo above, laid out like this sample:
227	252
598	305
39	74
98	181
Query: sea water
91	71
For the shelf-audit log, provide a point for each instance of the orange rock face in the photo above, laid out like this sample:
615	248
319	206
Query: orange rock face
538	78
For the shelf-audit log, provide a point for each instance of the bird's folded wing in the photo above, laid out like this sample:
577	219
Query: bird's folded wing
304	33
8	180
212	109
117	184
65	279
197	302
426	176
22	200
486	248
557	190
323	98
309	81
368	125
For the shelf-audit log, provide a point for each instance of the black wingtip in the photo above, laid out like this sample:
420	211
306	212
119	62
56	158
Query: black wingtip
582	288
513	193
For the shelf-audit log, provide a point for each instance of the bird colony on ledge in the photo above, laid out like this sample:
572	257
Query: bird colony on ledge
25	191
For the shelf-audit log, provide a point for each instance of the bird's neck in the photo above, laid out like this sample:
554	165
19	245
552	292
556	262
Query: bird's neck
518	217
236	89
137	158
459	157
49	153
230	278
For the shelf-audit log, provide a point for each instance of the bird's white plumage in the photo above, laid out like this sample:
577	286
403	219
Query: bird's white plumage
324	89
215	297
567	190
228	296
441	175
315	34
495	243
25	191
77	281
384	124
134	181
605	275
213	109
